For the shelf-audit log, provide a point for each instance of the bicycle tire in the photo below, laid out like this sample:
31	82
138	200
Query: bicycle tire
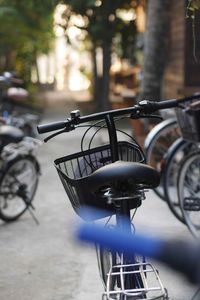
11	180
172	162
156	145
189	191
107	259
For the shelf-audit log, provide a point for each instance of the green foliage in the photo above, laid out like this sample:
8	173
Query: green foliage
192	7
102	21
125	41
26	30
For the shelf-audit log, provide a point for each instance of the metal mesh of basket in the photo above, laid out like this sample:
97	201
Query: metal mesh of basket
189	121
72	169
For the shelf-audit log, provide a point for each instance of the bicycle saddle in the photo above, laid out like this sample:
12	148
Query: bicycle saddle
10	134
141	175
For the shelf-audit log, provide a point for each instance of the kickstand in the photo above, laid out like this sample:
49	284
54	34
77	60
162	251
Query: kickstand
30	208
33	215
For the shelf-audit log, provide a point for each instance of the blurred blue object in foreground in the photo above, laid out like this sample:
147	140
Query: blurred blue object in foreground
182	256
117	240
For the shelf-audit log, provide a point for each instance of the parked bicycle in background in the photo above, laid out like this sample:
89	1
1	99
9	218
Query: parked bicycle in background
19	174
15	107
20	170
166	148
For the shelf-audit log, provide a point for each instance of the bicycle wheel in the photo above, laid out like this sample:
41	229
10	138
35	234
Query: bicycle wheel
156	146
189	191
18	184
172	163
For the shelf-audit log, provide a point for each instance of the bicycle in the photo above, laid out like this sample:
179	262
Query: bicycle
19	174
164	149
171	164
188	191
112	177
156	145
188	186
13	98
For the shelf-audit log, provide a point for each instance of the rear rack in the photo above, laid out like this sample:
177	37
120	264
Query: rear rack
152	286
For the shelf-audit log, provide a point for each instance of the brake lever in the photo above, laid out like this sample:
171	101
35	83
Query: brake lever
53	135
58	133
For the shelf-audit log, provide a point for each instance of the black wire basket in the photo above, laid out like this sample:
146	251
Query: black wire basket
189	121
74	169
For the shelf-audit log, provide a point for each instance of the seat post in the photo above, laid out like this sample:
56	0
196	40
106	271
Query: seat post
123	215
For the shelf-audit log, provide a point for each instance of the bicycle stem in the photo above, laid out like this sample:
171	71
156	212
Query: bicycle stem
112	137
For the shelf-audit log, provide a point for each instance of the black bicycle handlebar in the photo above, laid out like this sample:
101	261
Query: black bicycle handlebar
71	122
144	107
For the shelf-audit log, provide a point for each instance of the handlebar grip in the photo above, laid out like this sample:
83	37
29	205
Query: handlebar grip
146	106
51	127
152	106
167	104
175	102
172	103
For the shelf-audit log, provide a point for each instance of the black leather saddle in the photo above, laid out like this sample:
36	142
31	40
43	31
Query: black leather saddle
141	175
10	134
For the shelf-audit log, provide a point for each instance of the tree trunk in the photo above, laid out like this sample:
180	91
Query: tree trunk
37	72
105	84
10	58
95	79
155	49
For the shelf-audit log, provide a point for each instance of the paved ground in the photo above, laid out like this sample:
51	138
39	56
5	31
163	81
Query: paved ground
43	262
